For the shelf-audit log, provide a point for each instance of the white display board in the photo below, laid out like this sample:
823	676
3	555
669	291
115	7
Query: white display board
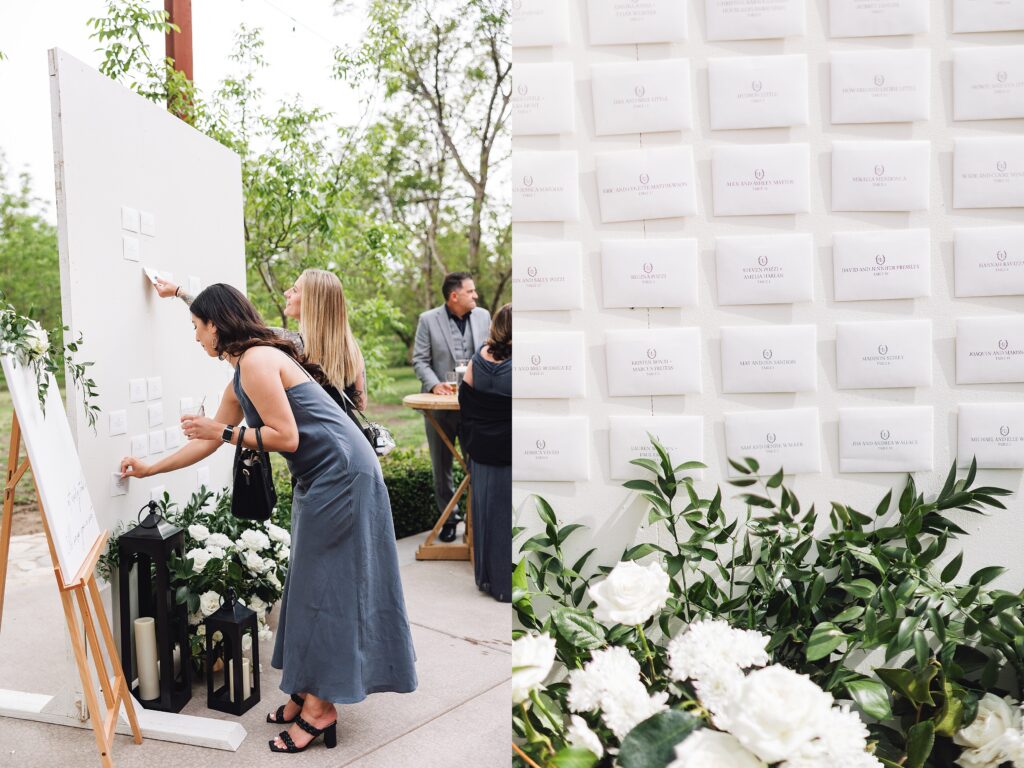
55	466
895	261
138	187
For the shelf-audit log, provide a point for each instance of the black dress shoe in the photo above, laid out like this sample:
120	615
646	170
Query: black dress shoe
447	534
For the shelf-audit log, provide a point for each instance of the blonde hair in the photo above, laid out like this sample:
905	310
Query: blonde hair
325	330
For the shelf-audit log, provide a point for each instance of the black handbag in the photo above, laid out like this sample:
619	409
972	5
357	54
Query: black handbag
252	496
379	436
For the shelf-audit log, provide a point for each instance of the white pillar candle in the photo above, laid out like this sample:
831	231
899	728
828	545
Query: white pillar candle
145	656
246	676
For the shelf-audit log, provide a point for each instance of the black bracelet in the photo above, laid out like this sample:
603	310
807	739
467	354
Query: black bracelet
176	289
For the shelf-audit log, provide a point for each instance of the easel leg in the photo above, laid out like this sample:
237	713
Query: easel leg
7	520
115	661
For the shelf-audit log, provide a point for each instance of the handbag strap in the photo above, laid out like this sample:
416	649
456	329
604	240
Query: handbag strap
268	483
238	447
361	416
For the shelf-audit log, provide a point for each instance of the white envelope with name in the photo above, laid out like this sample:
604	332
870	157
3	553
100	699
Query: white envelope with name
988	172
757	91
987	15
991	433
764	269
665	361
549	365
755	19
625	22
880	175
542	99
545	186
649	273
886	439
990	350
641	96
881	86
989	261
769	358
882	354
547	276
788	439
883	264
629	437
550	448
539	22
876	18
760	179
657	183
988	83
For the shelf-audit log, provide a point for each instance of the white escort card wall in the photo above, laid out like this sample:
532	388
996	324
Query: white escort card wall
792	230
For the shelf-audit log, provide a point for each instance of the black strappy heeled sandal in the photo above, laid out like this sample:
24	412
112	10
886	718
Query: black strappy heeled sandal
279	714
330	733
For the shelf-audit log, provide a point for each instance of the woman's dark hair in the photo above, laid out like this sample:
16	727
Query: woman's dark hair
239	325
500	340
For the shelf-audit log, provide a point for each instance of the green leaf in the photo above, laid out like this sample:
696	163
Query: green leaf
641	550
578	628
883	505
547	515
686	466
862	588
907	627
648	464
853	612
952	568
652	743
914	688
739	467
920	740
985	575
574	757
824	639
871	696
817	589
775	480
641	485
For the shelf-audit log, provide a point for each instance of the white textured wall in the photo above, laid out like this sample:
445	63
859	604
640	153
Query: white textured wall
611	511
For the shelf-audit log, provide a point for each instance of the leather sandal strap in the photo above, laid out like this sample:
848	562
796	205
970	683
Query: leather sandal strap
298	699
307	727
287	739
279	715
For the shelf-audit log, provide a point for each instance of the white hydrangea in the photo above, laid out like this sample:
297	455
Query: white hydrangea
254	540
254	563
219	540
199	557
841	743
716	689
532	658
209	602
278	534
578	734
710	645
608	671
630	593
199	532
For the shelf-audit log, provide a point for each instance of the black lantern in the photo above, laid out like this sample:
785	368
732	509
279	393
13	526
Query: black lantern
161	626
229	688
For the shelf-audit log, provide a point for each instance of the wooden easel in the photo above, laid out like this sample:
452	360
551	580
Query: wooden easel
83	592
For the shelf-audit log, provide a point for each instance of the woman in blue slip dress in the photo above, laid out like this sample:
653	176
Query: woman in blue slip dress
343	631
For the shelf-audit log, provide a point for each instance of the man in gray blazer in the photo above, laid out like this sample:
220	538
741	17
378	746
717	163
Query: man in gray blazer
445	335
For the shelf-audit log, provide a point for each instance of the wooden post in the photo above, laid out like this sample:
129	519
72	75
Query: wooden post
179	44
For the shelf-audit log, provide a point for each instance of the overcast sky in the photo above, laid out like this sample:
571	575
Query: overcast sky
299	36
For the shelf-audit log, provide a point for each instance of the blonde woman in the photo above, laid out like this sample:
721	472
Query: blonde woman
325	338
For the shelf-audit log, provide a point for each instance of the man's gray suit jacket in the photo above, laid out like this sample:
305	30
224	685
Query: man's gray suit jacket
432	353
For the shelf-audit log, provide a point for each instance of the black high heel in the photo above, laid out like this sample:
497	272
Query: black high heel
330	733
279	714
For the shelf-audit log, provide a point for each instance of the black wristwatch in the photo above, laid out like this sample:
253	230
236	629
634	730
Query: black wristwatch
228	431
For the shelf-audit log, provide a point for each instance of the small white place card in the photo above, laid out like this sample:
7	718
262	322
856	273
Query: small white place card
550	449
897	439
883	354
545	186
877	18
880	86
539	22
989	261
654	362
988	172
760	179
657	183
755	19
641	96
991	433
757	91
764	269
886	264
625	22
549	365
769	358
547	276
990	350
784	439
649	273
988	15
880	175
629	437
988	83
542	99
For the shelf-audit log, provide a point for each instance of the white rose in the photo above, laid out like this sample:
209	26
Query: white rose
246	641
274	581
201	631
532	657
216	553
219	540
776	712
199	557
254	562
716	689
578	734
629	706
631	593
38	340
285	553
265	634
199	532
608	671
995	717
710	645
258	605
279	534
209	602
713	749
255	540
842	741
269	564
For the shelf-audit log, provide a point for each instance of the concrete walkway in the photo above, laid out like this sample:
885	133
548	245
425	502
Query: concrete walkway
458	716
